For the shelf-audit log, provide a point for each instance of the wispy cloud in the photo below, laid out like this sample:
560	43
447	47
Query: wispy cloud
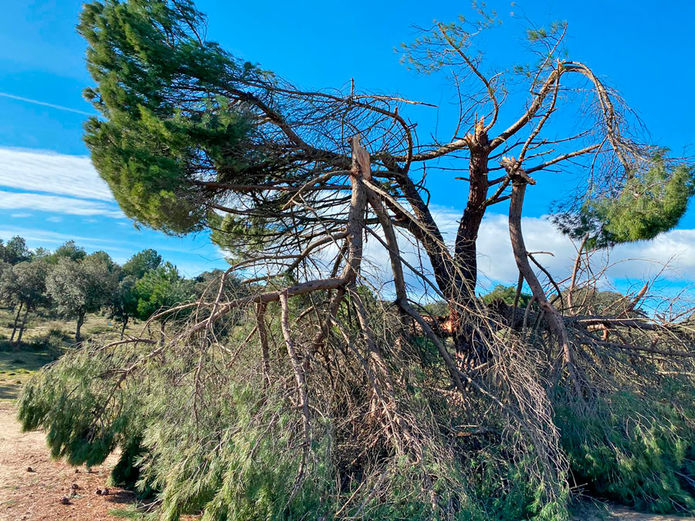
56	204
53	173
50	237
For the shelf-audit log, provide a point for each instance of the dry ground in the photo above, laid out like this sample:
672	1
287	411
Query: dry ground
36	495
590	511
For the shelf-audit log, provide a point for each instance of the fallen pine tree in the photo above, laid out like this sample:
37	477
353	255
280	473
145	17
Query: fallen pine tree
314	393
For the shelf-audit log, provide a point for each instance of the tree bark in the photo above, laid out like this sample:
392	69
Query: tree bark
16	319
263	337
428	233
21	326
462	291
78	328
162	336
555	322
125	324
360	171
466	238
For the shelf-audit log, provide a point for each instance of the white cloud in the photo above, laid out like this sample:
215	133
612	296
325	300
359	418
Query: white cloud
672	254
40	171
20	215
495	256
55	183
50	237
674	250
56	204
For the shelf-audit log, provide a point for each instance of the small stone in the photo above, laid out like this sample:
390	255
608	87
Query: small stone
29	469
65	500
75	486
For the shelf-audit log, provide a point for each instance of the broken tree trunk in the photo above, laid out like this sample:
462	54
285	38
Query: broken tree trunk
520	179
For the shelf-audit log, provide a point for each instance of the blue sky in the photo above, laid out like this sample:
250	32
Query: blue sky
49	193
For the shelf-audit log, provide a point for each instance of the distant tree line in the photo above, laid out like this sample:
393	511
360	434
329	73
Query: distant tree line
72	284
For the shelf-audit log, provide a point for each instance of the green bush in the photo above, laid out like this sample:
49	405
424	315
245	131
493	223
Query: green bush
634	450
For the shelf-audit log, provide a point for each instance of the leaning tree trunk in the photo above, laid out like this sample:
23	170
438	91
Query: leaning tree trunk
125	324
16	320
22	325
78	328
553	317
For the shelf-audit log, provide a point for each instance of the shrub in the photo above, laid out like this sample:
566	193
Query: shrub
635	450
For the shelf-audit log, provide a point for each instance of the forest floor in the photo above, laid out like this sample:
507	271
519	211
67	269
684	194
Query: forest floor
594	511
33	485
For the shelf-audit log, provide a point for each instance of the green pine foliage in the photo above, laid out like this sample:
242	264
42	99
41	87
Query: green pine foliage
84	421
206	437
634	450
648	204
162	92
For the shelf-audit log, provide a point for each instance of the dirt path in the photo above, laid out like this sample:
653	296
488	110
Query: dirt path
36	495
624	514
589	512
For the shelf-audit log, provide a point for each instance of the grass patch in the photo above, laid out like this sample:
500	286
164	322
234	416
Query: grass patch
16	367
130	512
45	339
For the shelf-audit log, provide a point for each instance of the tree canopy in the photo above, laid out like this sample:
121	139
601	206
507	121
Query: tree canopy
160	289
192	137
79	284
69	250
24	286
15	250
142	262
81	287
